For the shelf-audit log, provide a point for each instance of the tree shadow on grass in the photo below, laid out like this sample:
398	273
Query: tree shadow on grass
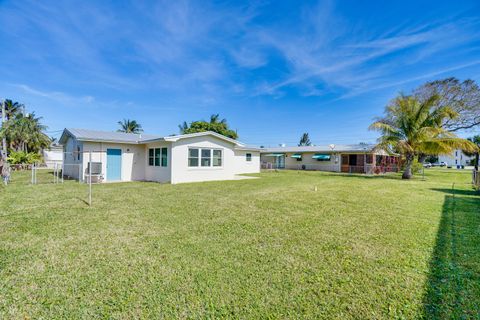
462	192
453	285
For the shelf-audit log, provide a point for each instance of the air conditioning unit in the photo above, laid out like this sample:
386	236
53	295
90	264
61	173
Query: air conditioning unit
96	168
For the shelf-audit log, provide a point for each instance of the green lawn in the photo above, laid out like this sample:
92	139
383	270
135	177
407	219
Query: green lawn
359	247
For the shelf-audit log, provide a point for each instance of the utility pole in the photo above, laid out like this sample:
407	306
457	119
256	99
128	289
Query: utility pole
4	142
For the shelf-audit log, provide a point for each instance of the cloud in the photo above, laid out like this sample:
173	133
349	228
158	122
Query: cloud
62	97
212	52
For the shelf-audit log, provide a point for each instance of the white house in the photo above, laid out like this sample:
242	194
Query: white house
457	158
117	156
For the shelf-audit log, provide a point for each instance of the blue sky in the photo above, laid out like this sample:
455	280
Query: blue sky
273	69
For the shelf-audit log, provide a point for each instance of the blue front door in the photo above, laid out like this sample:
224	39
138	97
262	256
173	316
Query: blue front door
114	164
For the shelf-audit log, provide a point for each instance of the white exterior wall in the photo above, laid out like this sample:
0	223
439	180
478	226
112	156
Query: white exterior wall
456	158
133	158
53	156
158	174
181	172
244	166
71	165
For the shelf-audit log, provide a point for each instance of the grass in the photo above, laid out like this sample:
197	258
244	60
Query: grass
359	247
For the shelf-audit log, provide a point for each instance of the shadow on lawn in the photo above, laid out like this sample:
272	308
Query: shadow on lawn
453	286
393	176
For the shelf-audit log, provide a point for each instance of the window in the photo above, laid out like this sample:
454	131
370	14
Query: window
78	153
217	158
157	157
150	157
206	157
193	157
164	157
248	157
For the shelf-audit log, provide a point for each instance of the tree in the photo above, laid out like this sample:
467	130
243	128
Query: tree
305	140
129	126
215	125
462	96
412	126
25	133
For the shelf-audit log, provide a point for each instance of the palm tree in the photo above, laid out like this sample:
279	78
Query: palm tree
183	127
214	118
129	126
12	109
411	127
25	133
305	140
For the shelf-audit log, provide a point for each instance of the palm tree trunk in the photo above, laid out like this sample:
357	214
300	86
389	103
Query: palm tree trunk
422	157
477	156
407	172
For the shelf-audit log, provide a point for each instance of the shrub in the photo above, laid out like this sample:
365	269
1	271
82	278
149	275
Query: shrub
21	157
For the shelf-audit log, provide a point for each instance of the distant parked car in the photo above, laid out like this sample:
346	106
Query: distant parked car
439	164
427	165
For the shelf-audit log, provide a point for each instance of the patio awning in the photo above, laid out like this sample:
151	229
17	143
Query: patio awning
321	156
275	155
297	155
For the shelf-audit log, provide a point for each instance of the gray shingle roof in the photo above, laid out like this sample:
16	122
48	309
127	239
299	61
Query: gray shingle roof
337	148
96	135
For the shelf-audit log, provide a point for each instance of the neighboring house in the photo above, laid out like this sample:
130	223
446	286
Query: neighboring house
120	156
53	156
361	158
457	158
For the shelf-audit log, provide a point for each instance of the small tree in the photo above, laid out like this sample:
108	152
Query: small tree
305	140
129	126
411	127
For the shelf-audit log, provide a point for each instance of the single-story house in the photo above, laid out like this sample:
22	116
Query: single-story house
359	158
117	156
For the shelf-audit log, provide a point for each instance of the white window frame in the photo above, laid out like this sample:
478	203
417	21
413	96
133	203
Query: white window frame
248	159
221	158
199	158
155	157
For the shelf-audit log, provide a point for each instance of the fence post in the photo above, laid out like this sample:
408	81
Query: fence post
33	168
90	179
